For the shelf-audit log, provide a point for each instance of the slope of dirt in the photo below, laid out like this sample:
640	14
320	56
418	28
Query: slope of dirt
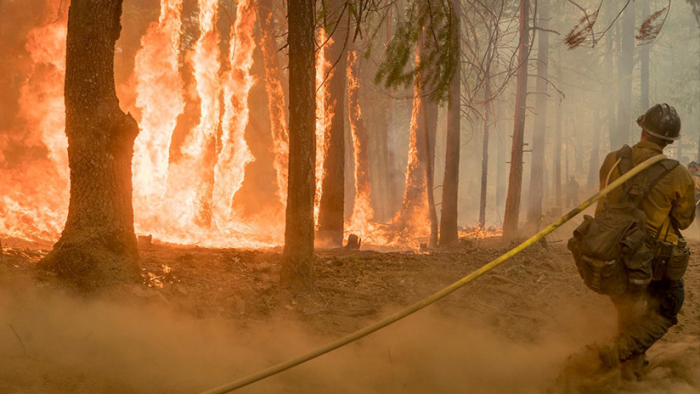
204	317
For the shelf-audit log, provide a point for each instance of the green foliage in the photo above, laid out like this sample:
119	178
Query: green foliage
433	26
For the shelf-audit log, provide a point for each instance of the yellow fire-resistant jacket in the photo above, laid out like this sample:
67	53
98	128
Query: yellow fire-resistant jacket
673	196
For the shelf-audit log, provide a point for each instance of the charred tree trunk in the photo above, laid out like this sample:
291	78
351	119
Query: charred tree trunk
624	73
510	220
450	183
98	245
501	169
298	258
430	132
537	172
332	204
485	146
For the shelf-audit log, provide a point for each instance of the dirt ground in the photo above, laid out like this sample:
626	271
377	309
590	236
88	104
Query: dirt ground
204	317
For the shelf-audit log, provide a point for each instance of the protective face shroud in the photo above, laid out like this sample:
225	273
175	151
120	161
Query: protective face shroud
661	121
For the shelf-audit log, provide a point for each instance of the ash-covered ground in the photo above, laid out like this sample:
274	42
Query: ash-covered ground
204	317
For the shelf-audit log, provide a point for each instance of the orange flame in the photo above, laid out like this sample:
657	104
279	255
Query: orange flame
235	155
323	73
160	97
412	219
362	212
280	139
36	209
197	150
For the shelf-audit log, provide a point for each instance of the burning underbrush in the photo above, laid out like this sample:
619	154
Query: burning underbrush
203	317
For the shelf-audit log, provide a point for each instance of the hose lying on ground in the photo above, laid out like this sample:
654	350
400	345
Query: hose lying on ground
433	298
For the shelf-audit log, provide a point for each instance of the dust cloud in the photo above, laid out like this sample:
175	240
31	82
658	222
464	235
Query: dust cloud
53	342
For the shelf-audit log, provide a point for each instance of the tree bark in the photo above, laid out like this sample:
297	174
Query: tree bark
485	146
537	172
624	73
450	183
332	204
510	221
298	257
609	97
98	245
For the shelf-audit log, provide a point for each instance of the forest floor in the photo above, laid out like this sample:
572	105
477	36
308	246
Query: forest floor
204	317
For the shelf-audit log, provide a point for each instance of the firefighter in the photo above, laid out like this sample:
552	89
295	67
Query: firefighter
693	169
572	187
646	314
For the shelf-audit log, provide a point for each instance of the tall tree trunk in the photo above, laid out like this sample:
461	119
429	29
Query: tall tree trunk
430	133
510	221
298	258
624	73
537	173
98	245
450	183
644	64
592	181
609	97
557	148
485	145
332	205
502	154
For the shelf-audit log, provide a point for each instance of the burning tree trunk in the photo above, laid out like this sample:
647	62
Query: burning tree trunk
275	94
537	171
331	208
98	245
624	72
362	211
450	183
297	270
510	221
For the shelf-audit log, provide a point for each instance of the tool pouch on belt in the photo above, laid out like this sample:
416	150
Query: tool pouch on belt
671	260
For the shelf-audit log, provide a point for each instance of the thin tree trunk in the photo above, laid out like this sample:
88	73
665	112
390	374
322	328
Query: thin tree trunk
537	173
485	146
592	181
332	205
430	132
644	64
624	72
510	221
609	97
450	183
98	245
501	169
298	258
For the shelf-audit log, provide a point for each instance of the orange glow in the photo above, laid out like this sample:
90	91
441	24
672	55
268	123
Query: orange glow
362	212
235	155
323	118
34	197
160	97
278	116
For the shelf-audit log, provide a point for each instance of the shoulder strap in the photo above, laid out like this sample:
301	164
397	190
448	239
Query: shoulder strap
625	157
638	188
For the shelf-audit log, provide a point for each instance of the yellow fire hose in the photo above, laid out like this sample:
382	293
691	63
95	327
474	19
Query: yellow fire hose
275	369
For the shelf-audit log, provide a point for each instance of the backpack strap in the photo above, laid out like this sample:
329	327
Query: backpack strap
625	157
638	188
